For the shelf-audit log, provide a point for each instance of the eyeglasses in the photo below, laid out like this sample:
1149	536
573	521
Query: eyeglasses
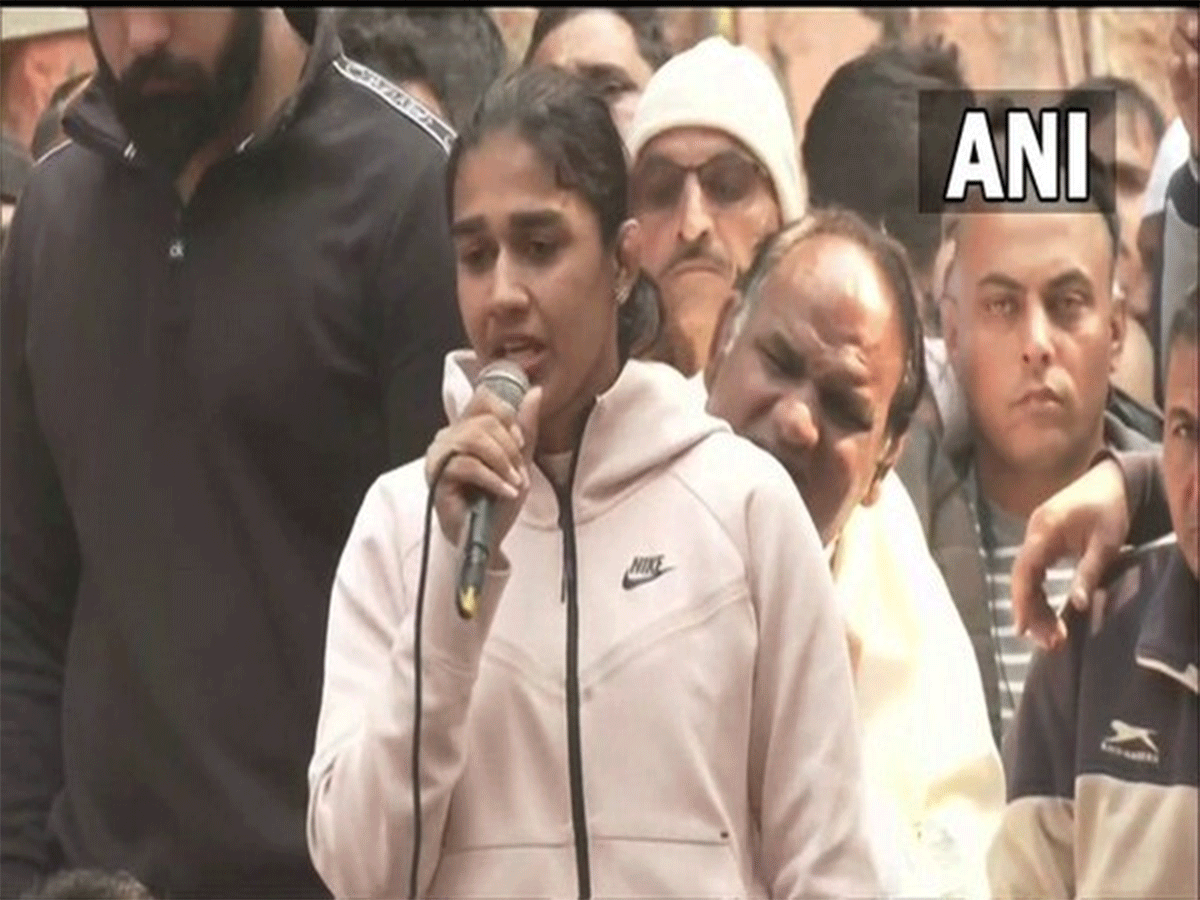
726	180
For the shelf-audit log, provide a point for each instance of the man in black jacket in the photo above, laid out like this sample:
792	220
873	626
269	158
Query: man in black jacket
226	302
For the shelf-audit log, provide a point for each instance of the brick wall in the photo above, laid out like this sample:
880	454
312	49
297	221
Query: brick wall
1001	48
1011	49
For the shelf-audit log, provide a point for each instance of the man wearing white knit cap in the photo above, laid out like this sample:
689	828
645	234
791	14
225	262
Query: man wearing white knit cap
715	170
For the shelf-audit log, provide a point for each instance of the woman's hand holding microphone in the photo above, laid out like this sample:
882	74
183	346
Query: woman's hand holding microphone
494	444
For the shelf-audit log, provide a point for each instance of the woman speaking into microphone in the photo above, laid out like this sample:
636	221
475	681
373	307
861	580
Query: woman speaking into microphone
653	698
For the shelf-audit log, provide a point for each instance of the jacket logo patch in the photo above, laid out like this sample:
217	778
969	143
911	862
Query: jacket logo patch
643	570
1131	742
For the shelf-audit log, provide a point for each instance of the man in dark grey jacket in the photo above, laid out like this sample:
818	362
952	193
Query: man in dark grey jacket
226	303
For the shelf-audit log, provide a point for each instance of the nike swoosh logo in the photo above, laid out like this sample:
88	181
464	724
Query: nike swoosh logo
630	582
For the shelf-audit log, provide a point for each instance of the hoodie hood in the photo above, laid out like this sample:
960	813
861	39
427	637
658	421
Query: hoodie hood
91	120
636	428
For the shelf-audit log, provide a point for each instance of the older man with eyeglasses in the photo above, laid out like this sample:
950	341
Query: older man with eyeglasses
715	171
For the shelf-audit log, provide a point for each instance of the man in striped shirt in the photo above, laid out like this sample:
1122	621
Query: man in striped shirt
1013	652
1033	332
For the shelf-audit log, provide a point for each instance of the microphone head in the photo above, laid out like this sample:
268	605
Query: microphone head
506	380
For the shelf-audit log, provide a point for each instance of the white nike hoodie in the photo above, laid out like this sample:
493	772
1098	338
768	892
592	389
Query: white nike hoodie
654	700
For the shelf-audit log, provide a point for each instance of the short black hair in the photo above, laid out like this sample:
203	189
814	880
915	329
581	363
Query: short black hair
1185	324
568	125
891	259
1127	93
457	50
90	884
645	21
861	147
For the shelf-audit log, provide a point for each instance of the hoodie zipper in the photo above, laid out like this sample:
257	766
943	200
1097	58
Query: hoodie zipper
566	522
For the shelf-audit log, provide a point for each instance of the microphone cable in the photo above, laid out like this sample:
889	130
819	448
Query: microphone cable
419	612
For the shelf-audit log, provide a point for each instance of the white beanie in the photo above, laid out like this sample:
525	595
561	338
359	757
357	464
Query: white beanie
730	89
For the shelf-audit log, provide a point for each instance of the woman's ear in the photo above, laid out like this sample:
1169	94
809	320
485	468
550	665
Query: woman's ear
628	258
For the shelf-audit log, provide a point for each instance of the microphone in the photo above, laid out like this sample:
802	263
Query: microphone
507	381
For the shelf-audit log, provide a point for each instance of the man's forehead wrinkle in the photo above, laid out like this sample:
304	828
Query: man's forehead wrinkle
800	330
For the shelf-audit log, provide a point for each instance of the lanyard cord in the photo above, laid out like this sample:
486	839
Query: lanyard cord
984	532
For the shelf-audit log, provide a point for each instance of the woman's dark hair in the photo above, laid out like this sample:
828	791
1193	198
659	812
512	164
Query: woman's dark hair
570	128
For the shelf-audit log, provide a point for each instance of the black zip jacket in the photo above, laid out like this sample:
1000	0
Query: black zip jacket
195	400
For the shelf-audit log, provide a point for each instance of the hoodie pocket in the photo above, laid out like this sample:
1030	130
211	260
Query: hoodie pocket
528	871
656	867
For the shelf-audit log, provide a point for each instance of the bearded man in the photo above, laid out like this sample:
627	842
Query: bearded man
226	301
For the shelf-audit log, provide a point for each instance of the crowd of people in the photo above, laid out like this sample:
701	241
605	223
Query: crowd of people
835	547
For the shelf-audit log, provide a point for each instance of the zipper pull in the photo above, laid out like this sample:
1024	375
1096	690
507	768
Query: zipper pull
176	249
